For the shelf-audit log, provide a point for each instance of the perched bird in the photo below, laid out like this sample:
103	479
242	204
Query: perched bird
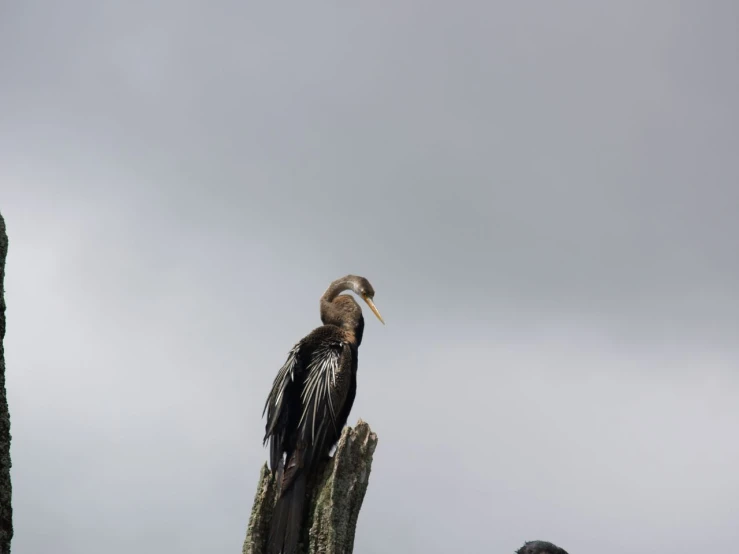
310	401
540	547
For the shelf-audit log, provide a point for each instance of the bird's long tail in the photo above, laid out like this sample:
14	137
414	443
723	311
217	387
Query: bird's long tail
287	518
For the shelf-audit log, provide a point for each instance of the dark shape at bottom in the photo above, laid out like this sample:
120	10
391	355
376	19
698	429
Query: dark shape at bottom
540	547
6	488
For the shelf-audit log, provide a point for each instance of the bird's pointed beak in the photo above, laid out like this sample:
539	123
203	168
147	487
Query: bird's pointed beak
373	308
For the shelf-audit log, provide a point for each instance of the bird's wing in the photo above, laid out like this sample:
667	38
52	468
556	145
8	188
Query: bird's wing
323	395
277	405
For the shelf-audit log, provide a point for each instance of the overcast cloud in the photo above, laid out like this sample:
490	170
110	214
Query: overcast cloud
544	197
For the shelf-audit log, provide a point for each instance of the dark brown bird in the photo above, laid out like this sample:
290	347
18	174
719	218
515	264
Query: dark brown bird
310	401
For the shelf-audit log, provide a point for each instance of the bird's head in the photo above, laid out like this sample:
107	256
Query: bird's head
359	286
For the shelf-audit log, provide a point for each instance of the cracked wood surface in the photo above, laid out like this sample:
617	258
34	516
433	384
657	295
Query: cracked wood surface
336	497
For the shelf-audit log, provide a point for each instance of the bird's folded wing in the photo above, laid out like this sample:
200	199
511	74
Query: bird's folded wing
322	394
277	404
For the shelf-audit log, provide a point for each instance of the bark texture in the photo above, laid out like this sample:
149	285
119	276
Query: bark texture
336	498
6	489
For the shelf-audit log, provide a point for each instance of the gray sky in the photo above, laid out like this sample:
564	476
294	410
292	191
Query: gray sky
544	197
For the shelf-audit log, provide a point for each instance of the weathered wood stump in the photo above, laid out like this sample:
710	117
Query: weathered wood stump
336	497
6	489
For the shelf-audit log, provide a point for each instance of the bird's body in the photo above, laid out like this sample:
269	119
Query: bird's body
309	404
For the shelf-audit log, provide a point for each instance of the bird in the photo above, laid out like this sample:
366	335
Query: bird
310	401
540	547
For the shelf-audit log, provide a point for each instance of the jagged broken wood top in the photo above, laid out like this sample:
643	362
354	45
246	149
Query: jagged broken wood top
336	498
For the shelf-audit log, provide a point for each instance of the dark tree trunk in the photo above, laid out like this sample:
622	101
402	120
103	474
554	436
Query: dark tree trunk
6	489
336	498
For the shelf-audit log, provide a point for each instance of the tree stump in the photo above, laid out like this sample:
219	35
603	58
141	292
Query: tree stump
6	489
336	496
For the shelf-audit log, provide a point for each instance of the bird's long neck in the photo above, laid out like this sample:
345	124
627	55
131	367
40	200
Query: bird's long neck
337	313
336	288
342	311
331	313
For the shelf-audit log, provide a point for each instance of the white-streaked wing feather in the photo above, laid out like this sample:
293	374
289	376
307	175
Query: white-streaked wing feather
284	377
316	397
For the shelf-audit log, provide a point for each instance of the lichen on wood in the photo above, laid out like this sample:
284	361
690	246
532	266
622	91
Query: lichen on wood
336	496
6	490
